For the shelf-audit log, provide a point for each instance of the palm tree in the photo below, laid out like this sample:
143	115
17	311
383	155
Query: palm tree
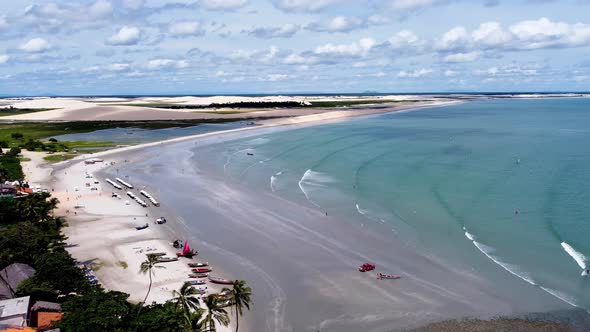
214	313
185	300
148	267
241	298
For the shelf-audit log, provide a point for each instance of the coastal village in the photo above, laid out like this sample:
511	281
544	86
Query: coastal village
128	263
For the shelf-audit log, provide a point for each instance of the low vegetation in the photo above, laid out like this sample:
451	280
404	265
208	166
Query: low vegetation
11	110
264	105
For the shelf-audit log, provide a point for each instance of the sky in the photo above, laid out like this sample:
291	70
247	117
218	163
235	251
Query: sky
121	47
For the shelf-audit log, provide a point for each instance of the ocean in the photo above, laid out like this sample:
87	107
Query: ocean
504	181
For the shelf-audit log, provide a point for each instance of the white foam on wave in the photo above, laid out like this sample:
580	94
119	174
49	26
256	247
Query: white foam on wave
577	256
313	180
468	235
561	295
513	269
361	211
273	180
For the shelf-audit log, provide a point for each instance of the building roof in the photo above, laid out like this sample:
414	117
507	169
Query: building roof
11	276
14	311
44	319
46	306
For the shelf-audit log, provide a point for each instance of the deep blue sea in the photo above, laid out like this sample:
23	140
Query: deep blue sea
507	179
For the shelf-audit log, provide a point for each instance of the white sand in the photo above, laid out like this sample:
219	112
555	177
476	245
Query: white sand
102	232
102	229
92	109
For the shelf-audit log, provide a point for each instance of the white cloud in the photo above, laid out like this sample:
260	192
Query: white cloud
4	58
100	8
305	5
415	73
454	39
166	63
490	71
490	34
404	39
462	57
410	4
338	24
127	35
450	73
284	31
294	59
118	67
275	77
360	48
35	45
224	4
185	28
543	33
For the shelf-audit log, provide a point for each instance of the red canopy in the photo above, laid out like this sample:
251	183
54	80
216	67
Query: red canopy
186	249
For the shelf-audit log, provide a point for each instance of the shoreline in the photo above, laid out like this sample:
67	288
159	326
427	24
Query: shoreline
119	222
101	232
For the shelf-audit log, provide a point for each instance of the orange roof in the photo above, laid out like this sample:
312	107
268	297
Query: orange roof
19	329
44	319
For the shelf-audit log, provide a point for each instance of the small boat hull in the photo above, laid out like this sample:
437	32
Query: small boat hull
198	264
198	275
202	270
221	281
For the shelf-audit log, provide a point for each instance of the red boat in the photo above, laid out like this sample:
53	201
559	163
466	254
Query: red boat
221	281
186	251
382	276
198	275
202	270
366	267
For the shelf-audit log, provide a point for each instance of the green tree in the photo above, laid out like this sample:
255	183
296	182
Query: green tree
148	266
214	313
96	311
14	151
4	175
185	301
240	298
159	318
16	135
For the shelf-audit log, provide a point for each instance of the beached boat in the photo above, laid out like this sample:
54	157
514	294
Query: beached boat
202	270
198	264
197	282
186	251
198	275
366	267
142	227
381	276
165	259
156	253
221	281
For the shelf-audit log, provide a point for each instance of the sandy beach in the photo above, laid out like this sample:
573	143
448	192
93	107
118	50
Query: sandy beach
101	230
138	109
300	263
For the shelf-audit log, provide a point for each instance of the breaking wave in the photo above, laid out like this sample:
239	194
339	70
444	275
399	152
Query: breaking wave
513	269
577	256
273	180
312	181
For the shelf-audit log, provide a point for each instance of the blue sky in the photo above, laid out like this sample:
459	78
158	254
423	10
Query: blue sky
271	46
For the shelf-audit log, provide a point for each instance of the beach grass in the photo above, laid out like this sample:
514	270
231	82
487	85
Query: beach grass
122	264
18	111
44	130
55	158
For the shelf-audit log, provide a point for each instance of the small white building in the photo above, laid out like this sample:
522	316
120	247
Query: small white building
15	312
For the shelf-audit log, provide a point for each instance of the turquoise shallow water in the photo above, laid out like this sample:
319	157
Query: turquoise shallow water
439	177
